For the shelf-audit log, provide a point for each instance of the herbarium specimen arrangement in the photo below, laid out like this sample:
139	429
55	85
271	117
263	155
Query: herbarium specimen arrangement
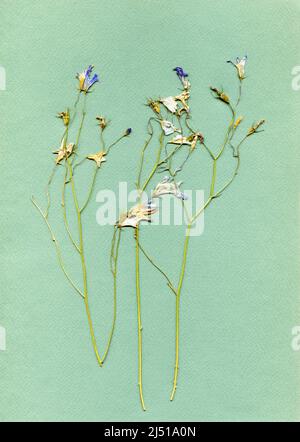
177	138
172	115
66	165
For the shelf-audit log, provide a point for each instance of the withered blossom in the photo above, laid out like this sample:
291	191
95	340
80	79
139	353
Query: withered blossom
169	187
137	214
170	103
220	95
65	116
168	127
155	105
254	128
99	158
240	64
86	81
183	76
189	141
64	152
102	122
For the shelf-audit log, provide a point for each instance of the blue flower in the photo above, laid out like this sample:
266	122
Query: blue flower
128	132
86	81
182	75
180	72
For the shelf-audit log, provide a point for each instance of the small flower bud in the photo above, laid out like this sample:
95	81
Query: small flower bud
128	132
238	122
65	116
254	128
102	122
220	95
155	106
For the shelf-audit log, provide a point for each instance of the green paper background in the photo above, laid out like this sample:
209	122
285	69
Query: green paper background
241	294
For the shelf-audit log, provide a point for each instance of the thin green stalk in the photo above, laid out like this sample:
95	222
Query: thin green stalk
63	203
240	93
114	144
115	259
140	328
91	190
227	138
48	190
102	142
156	165
57	247
236	170
212	196
209	151
170	285
147	143
178	297
83	265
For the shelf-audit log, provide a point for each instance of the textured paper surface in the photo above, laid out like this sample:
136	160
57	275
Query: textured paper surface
241	296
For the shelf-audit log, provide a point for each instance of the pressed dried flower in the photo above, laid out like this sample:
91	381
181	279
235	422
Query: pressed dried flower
168	127
102	122
183	98
240	64
254	128
189	141
169	187
170	103
220	95
137	214
99	158
86	81
155	106
64	151
183	76
65	116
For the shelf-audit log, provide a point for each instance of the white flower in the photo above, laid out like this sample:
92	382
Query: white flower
170	103
240	66
137	214
168	127
187	141
168	187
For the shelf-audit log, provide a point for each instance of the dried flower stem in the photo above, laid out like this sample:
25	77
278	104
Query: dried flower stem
63	203
140	327
57	247
170	284
114	270
83	264
212	196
